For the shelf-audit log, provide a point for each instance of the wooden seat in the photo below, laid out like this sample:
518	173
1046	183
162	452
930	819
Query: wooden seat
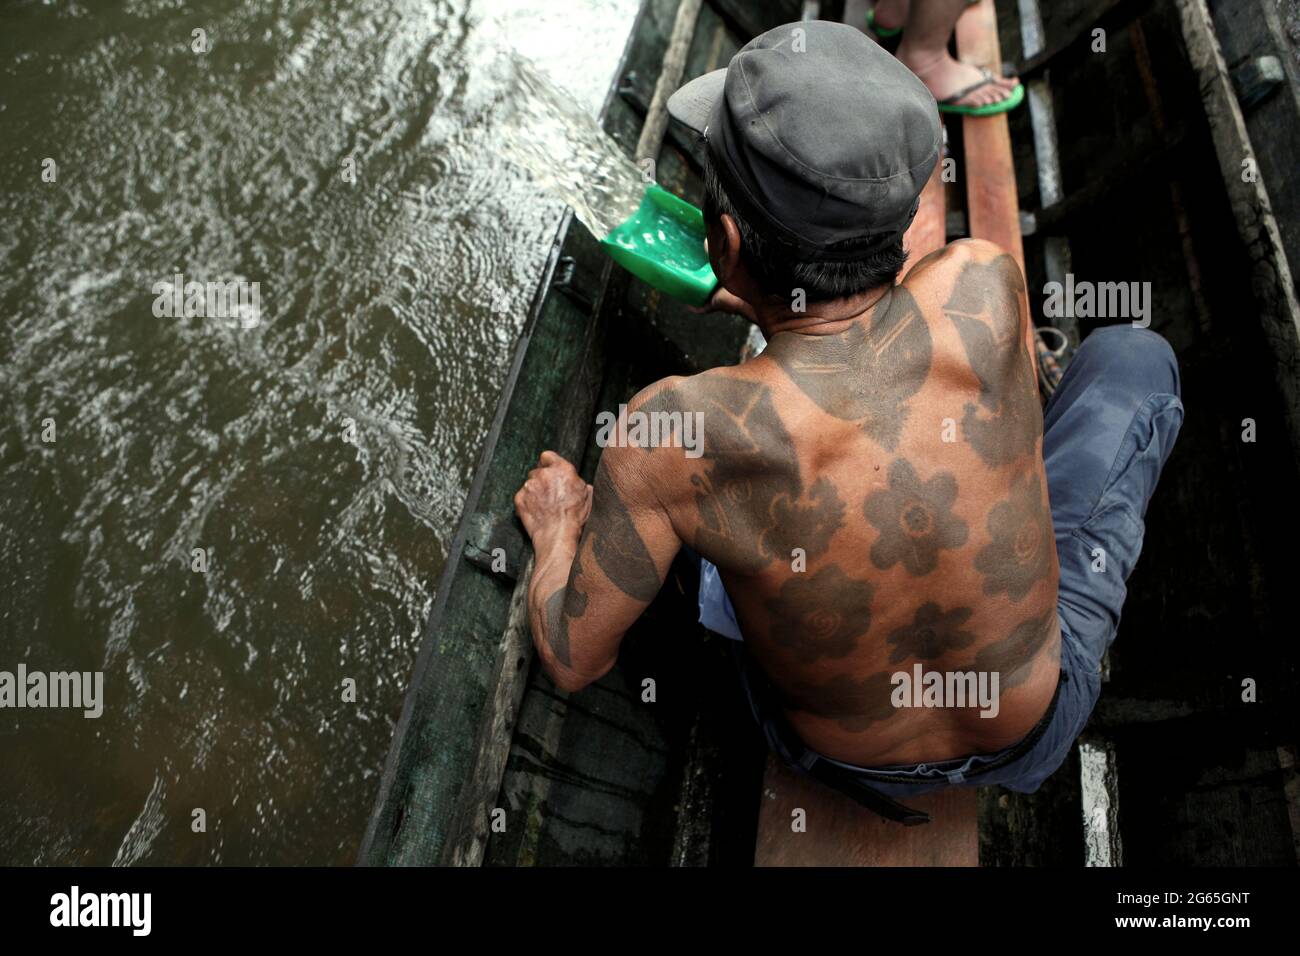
833	830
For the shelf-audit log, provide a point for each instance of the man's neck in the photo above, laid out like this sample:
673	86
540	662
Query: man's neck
819	318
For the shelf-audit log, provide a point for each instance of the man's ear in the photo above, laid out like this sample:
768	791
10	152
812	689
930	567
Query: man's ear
724	248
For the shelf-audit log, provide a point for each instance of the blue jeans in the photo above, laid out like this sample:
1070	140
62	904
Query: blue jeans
1107	433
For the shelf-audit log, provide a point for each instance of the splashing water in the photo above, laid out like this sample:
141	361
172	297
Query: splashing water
545	131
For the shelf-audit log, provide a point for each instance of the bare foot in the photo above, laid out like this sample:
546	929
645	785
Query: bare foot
891	14
946	76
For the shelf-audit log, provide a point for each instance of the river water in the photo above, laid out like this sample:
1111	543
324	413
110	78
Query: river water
237	519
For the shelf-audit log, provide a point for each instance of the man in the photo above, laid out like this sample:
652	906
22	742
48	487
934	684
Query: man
872	499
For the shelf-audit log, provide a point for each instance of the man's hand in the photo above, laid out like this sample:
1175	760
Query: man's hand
554	502
595	568
729	302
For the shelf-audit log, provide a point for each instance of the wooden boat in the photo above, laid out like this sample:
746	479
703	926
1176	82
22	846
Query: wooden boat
659	763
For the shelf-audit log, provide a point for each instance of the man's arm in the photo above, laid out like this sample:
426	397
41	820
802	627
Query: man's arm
593	576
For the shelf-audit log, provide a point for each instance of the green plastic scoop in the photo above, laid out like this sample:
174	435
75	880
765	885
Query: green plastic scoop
662	244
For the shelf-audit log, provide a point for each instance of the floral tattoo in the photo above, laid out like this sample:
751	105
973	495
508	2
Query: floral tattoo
932	633
1020	554
915	519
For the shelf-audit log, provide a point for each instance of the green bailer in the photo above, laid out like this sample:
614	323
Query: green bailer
662	244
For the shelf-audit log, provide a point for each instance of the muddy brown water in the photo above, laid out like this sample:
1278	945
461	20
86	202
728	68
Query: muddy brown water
313	453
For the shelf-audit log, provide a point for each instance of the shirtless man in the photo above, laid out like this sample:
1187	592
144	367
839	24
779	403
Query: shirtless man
873	492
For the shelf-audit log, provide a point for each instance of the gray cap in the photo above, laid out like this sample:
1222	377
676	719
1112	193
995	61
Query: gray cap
817	132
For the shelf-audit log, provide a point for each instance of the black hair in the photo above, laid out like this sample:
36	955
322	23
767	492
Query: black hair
778	273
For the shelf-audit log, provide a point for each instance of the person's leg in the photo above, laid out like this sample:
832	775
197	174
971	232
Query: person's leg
1107	433
924	50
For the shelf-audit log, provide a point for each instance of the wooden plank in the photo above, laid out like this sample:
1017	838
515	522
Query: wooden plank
467	834
1038	829
1248	31
1106	14
992	205
670	77
749	19
993	209
839	832
1270	281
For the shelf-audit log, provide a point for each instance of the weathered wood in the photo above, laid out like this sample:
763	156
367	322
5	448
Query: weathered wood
1286	759
1124	163
468	834
1203	799
712	341
1041	105
992	205
1162	126
1250	33
1213	528
839	832
1043	828
1270	282
1099	787
670	76
1106	14
749	19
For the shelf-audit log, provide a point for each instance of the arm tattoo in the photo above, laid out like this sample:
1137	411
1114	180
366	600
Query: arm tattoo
932	633
915	519
1007	421
891	363
1020	554
821	615
617	545
752	505
557	627
564	605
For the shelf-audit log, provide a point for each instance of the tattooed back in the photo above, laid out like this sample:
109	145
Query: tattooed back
875	498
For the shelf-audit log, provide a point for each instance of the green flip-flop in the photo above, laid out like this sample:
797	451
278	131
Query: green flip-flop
950	105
